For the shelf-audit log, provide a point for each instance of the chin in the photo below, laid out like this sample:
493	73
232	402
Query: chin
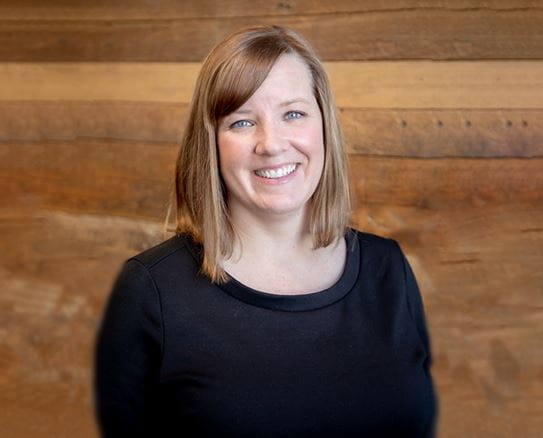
284	208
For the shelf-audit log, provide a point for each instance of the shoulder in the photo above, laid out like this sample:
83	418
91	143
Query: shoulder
380	254
177	249
151	273
375	245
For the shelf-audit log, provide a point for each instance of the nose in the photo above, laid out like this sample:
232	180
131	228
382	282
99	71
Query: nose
270	140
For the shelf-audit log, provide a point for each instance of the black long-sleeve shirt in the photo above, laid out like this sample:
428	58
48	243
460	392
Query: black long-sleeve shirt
180	356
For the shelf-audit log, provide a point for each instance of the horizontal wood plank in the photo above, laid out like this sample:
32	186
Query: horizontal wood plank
162	82
408	132
120	178
133	179
432	34
67	120
386	84
444	132
172	9
53	293
427	181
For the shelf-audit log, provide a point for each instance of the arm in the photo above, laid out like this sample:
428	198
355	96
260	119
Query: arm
128	352
416	309
416	306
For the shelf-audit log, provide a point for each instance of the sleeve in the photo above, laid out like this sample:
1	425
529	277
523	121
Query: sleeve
415	304
416	309
128	352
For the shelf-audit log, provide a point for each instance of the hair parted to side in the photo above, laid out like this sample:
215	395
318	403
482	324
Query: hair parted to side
230	74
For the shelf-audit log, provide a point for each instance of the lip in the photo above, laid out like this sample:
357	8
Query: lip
280	180
278	166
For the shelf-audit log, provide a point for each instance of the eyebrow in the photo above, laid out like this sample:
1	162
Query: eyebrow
297	100
282	104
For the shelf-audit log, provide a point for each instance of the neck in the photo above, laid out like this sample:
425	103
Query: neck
281	235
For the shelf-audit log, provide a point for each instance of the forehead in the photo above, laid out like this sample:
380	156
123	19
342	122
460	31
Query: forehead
289	77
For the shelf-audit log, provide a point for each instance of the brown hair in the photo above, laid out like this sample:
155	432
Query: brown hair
230	74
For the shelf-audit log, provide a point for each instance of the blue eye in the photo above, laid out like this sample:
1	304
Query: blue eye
292	115
241	124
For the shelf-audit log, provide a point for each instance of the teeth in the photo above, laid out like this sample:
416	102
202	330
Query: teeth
277	173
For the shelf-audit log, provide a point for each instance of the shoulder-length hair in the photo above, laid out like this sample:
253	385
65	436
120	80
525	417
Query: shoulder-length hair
230	74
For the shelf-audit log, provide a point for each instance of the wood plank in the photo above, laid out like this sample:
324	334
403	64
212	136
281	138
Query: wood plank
405	85
133	178
409	132
444	132
425	181
67	120
425	84
434	34
162	82
52	298
172	9
92	176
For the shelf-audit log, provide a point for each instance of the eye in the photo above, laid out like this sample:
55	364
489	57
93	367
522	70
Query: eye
241	124
293	115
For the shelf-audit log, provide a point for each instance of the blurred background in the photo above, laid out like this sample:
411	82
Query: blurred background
442	107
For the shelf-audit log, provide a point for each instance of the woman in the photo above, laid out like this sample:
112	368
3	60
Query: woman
265	315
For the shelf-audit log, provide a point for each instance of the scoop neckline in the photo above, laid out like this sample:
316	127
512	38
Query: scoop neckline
308	301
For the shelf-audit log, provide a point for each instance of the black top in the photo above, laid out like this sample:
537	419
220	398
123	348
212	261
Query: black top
180	356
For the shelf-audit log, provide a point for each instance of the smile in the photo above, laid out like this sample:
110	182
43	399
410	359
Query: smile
276	173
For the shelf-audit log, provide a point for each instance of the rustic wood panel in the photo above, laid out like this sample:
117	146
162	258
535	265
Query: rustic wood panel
426	33
132	179
138	82
54	286
444	132
426	84
66	120
399	132
93	176
173	9
407	85
419	182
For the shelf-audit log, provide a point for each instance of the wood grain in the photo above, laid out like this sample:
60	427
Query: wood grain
404	85
397	132
132	179
444	132
93	176
56	275
172	9
151	122
425	33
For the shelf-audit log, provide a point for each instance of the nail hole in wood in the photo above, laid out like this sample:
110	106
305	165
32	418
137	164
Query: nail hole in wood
509	123
468	123
283	5
404	123
439	123
524	123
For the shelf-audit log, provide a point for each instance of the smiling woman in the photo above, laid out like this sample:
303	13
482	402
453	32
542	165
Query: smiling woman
268	87
271	161
265	315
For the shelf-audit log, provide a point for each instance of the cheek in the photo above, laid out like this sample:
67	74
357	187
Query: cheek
232	156
315	143
226	151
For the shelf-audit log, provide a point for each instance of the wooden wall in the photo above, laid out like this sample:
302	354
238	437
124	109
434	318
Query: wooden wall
442	106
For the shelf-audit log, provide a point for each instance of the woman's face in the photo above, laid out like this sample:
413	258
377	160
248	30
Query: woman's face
271	149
